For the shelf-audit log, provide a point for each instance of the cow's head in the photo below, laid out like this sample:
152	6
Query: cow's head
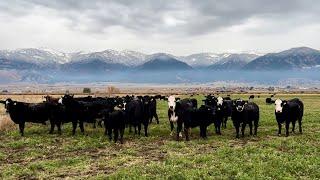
239	104
219	101
66	99
172	103
279	105
8	104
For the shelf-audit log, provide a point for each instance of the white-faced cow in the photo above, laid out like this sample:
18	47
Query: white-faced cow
287	111
172	114
244	113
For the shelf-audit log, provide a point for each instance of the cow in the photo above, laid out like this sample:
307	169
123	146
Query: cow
115	122
82	111
153	109
224	110
135	114
287	111
172	114
193	117
21	112
176	112
251	98
58	114
269	101
243	113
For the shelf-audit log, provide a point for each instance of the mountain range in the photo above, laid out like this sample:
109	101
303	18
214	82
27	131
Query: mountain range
41	64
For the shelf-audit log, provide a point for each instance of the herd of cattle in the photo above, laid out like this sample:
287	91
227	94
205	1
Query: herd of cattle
117	113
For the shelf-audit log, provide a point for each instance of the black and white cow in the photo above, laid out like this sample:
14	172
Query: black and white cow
173	115
287	111
224	109
244	113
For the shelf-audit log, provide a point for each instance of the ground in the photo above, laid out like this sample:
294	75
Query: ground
267	156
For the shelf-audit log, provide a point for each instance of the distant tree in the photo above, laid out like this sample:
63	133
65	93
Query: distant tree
67	92
251	88
86	90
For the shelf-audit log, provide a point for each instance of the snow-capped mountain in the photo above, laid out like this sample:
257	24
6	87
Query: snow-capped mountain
126	57
295	58
162	61
233	62
37	56
203	59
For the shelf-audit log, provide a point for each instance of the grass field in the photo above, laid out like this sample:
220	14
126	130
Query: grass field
267	156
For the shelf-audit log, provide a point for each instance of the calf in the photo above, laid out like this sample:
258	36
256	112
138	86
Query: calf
244	113
114	121
21	112
289	111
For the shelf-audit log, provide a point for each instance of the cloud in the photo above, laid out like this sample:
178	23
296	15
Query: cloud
165	19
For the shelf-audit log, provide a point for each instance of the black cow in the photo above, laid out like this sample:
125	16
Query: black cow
153	109
115	122
269	101
202	117
21	112
289	111
135	114
81	111
244	113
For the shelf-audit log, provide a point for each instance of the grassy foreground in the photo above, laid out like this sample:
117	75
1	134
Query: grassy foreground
40	155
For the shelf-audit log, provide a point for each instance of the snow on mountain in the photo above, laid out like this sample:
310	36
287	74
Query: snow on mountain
126	57
37	56
203	59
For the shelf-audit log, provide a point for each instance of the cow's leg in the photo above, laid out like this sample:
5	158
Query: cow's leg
94	125
219	127
179	129
237	127
279	129
300	125
145	126
81	127
205	132
110	133
157	118
130	128
243	129
201	131
21	127
225	122
287	128
139	129
59	128
250	126
52	124
256	124
171	127
74	127
116	134
293	126
121	135
186	132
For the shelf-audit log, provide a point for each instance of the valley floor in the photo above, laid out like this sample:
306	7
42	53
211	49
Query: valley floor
267	156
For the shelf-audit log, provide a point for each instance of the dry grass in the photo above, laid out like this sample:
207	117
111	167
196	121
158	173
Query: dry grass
6	124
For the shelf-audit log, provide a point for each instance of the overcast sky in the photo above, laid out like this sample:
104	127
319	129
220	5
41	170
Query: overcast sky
172	26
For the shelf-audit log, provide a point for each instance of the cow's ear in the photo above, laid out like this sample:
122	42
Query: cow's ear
245	102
